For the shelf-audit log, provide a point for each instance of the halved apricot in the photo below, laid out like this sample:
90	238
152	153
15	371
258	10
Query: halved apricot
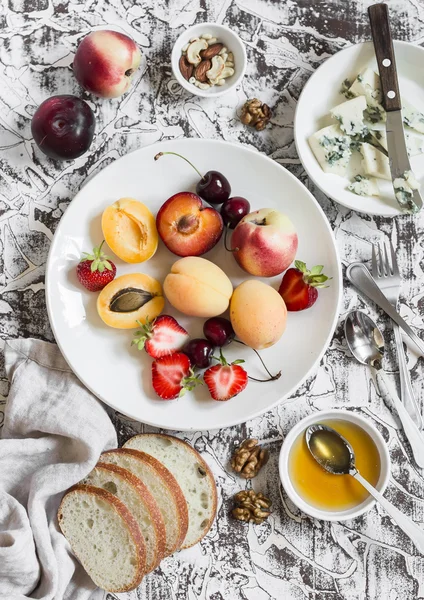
129	229
130	298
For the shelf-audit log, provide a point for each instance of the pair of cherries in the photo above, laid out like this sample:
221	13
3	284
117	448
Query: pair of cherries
215	188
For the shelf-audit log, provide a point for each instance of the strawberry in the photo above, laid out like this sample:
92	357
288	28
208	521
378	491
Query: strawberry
299	287
225	380
161	337
95	270
172	376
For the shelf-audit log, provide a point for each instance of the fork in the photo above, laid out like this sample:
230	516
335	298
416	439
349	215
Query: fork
387	276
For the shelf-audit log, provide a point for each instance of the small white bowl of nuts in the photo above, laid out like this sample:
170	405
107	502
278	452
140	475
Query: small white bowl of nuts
209	60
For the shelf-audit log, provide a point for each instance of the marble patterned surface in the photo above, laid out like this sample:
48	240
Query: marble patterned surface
291	556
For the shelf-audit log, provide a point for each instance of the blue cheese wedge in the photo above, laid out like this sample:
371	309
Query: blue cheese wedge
404	187
367	84
364	186
379	136
350	115
414	142
375	163
332	149
412	117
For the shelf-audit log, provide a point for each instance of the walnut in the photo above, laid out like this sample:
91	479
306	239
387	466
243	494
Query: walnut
256	114
251	507
249	458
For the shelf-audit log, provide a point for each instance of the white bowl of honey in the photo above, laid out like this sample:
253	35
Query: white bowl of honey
321	494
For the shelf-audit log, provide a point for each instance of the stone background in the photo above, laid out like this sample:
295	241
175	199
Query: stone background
291	556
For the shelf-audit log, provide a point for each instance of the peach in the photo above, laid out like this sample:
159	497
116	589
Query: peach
264	243
258	314
197	287
130	298
129	229
105	61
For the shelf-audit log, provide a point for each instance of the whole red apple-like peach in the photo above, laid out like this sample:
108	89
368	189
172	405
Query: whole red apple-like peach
105	61
264	243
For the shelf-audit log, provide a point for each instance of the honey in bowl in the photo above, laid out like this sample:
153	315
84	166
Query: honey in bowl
324	490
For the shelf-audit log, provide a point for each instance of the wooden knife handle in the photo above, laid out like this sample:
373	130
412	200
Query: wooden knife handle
383	45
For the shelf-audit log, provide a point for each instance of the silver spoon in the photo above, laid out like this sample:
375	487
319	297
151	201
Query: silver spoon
366	343
334	453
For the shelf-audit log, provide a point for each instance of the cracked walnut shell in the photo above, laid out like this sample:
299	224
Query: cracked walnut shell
249	458
255	114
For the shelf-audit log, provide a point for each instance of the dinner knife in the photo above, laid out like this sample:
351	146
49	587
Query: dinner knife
411	200
359	275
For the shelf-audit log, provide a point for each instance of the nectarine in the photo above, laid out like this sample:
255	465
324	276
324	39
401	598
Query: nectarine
197	287
258	314
186	226
264	243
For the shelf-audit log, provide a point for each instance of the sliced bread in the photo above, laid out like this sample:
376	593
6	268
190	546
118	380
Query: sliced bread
104	536
140	502
193	475
163	487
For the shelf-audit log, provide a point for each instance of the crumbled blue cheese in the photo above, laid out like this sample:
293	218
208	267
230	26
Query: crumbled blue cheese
375	163
404	187
364	186
332	149
350	115
412	116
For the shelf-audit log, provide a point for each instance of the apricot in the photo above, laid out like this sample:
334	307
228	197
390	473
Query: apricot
258	314
130	298
197	287
129	229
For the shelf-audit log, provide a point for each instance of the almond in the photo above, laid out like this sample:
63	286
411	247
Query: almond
211	51
186	68
200	71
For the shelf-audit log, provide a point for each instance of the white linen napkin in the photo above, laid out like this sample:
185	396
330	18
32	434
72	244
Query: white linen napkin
53	434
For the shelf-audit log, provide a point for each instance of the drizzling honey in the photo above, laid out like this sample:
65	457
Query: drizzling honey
325	490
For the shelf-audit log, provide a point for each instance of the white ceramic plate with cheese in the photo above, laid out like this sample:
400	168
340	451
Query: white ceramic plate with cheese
104	359
323	92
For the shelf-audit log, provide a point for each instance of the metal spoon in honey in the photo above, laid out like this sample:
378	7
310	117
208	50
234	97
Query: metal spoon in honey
334	453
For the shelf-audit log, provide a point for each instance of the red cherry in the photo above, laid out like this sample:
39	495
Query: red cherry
199	352
218	331
233	210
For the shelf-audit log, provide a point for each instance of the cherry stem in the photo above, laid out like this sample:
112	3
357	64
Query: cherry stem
225	241
180	156
272	377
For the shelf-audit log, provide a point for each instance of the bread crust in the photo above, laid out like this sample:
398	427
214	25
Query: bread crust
172	485
148	500
208	471
131	523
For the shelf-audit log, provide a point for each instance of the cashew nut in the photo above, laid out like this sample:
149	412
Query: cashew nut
227	72
193	51
216	69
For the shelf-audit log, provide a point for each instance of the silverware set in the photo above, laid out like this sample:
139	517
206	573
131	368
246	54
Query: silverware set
383	285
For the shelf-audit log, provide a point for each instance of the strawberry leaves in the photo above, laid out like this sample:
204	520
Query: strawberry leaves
99	260
313	277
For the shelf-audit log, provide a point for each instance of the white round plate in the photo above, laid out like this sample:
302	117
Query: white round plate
322	92
103	358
